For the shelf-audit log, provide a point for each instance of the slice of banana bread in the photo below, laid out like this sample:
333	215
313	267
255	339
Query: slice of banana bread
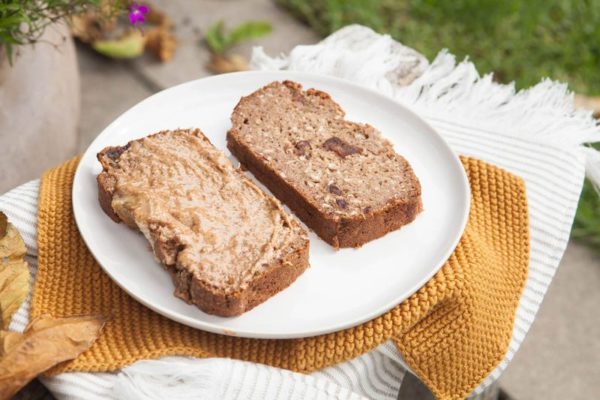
228	245
343	179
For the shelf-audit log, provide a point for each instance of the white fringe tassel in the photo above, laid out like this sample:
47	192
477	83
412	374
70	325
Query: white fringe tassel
169	378
448	90
181	378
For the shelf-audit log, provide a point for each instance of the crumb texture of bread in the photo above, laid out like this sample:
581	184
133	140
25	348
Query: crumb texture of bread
227	245
342	179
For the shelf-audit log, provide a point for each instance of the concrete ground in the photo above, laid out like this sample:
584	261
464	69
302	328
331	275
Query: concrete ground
560	358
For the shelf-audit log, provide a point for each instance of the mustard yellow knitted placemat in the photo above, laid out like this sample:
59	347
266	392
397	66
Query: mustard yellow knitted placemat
452	332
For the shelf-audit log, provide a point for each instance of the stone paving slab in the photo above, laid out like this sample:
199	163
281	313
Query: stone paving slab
193	18
107	90
560	357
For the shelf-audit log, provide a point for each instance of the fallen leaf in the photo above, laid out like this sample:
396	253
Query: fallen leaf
8	341
221	64
161	43
159	18
3	224
91	26
14	273
11	244
130	45
46	342
14	286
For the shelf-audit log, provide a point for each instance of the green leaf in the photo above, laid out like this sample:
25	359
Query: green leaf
9	53
9	7
214	37
7	39
13	20
586	227
219	41
247	31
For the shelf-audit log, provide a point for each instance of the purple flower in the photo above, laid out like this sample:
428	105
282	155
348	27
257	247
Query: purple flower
137	12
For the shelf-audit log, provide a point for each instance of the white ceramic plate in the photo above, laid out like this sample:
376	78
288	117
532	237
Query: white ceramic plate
342	288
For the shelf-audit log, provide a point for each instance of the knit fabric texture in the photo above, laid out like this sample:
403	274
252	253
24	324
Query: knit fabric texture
452	332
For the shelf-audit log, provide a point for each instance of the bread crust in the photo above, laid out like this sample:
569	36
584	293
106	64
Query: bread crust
106	184
261	288
340	232
280	274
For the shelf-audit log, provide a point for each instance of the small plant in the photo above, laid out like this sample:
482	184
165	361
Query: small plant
220	42
22	22
146	30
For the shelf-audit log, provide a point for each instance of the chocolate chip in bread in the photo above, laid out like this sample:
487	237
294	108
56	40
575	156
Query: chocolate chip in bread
341	178
228	245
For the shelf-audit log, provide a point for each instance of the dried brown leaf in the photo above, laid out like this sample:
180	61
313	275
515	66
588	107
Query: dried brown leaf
14	286
8	340
161	42
3	224
12	245
91	26
14	274
159	18
221	64
95	23
46	342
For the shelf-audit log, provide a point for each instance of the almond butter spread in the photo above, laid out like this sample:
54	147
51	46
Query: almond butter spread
182	192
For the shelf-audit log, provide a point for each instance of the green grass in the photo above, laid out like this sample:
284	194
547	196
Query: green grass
518	40
586	227
521	41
